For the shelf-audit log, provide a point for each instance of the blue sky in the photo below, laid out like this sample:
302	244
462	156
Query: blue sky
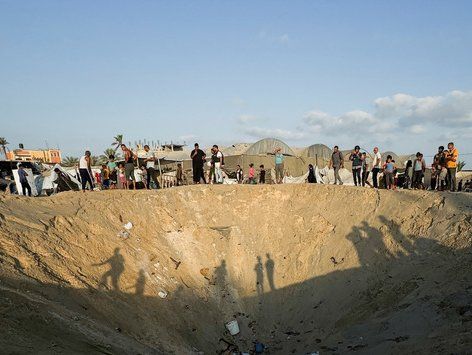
392	73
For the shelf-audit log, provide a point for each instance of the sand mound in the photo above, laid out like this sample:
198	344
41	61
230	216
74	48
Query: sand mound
302	268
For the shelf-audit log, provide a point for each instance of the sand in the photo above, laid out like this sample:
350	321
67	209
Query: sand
302	268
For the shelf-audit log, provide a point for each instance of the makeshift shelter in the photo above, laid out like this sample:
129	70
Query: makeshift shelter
268	146
320	152
394	157
46	182
236	149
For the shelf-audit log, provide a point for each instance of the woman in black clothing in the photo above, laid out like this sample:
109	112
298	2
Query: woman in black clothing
311	174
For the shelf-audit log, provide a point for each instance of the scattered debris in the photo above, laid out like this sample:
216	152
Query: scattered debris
336	262
177	263
233	327
128	226
399	339
123	234
291	333
229	347
259	347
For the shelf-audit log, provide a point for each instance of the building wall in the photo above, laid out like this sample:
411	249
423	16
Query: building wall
46	155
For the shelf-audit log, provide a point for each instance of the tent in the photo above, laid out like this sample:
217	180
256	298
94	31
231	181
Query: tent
268	146
45	182
320	152
394	157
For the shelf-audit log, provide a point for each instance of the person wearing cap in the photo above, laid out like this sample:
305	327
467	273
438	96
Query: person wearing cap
439	169
279	165
356	159
452	157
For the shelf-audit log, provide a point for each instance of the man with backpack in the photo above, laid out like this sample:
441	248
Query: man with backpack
356	159
336	162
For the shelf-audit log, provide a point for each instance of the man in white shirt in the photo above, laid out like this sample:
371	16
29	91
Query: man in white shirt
218	160
150	159
376	166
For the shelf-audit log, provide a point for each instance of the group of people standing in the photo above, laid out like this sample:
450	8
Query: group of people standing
443	169
216	165
120	175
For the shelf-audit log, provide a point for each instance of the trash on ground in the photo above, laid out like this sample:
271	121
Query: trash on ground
123	234
336	262
259	347
128	226
162	294
233	327
177	263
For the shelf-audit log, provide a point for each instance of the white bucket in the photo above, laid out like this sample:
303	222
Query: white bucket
128	226
233	327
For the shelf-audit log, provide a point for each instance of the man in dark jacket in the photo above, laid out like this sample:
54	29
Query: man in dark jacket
198	157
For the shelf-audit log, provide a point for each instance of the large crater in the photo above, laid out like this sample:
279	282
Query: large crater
301	268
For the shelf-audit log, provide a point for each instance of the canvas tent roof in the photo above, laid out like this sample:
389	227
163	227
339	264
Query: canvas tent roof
236	149
267	146
394	156
320	151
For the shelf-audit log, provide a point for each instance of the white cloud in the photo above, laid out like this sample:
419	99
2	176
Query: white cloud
393	119
246	118
187	137
451	110
239	102
283	38
259	132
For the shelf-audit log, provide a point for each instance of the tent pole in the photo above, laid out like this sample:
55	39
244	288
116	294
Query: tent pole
160	171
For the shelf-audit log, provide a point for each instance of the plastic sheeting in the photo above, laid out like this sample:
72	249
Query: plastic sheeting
30	178
45	181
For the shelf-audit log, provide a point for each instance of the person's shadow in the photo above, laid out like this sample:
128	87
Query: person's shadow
117	266
220	275
140	283
258	268
269	265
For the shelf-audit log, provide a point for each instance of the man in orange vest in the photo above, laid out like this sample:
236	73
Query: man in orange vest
452	156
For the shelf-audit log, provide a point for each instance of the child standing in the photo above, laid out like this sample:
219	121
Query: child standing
239	174
122	183
179	175
143	174
105	175
262	174
251	174
389	168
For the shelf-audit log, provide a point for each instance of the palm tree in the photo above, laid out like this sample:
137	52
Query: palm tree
70	161
3	144
108	152
118	141
460	165
98	160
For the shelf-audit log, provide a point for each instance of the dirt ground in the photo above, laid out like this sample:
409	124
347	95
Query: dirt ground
303	268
